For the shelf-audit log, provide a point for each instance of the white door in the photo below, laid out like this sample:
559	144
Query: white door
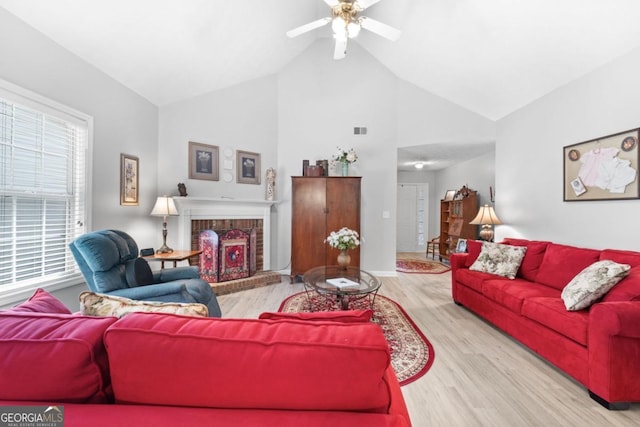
412	217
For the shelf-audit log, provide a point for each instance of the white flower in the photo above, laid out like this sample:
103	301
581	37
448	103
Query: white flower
343	239
345	156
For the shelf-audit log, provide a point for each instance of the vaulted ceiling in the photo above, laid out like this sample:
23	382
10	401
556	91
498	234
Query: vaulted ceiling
489	56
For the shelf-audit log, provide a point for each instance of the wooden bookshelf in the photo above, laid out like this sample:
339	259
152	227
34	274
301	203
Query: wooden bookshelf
455	216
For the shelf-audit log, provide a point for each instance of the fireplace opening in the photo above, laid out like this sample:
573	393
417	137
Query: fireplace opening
222	225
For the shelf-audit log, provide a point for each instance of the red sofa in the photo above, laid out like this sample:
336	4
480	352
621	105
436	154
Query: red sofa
150	369
598	346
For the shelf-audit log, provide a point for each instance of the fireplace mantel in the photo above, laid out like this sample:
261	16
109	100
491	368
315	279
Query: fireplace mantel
191	208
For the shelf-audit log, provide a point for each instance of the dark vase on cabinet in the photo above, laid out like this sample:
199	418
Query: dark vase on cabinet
320	205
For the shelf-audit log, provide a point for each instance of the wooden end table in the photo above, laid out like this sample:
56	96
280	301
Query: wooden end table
174	256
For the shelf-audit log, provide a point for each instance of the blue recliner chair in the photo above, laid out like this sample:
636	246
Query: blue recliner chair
109	262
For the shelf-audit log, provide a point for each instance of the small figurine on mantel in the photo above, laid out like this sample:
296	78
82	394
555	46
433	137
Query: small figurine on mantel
182	189
271	183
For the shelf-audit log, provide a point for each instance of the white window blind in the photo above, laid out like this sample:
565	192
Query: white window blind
42	191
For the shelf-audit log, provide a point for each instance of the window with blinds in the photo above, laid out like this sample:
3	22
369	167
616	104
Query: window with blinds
42	190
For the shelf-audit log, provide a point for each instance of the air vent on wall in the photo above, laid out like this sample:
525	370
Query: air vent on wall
360	130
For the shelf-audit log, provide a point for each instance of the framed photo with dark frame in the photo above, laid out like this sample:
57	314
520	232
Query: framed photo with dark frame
203	161
129	171
247	167
605	168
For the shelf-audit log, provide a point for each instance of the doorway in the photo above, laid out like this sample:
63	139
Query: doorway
412	213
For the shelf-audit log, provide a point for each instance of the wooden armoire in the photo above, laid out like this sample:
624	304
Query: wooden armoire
320	205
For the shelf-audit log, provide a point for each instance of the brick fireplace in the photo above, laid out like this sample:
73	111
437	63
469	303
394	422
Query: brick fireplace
222	225
202	213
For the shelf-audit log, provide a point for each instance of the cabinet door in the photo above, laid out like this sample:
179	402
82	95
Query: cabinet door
308	224
343	208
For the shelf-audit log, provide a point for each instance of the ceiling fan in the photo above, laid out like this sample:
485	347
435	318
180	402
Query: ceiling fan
346	24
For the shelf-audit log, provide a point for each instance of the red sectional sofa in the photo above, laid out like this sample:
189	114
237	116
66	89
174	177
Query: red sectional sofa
150	369
598	346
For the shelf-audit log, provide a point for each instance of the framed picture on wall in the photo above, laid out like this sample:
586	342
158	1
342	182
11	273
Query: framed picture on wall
247	167
605	168
129	166
203	161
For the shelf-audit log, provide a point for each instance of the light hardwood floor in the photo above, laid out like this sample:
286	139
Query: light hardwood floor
480	376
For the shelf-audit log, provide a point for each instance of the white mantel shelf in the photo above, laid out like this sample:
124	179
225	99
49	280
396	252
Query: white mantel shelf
195	208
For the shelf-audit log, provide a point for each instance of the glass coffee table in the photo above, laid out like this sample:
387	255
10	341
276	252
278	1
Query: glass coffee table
345	284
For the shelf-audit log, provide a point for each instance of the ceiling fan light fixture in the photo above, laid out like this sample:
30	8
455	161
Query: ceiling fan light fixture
353	29
347	24
338	25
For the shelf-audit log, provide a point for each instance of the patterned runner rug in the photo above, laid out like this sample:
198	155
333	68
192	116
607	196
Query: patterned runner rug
414	263
411	353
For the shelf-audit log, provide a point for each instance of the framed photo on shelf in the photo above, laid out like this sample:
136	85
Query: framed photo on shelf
129	166
605	168
449	195
247	167
203	161
461	246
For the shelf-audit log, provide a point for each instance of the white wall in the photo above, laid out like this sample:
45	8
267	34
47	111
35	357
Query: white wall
529	153
424	118
477	174
124	122
320	100
242	117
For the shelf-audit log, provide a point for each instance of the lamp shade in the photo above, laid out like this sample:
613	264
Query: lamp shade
486	215
164	206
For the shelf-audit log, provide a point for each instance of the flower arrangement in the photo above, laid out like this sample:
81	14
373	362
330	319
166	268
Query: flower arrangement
343	156
343	239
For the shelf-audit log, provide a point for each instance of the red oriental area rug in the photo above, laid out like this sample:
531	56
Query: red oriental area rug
411	353
413	264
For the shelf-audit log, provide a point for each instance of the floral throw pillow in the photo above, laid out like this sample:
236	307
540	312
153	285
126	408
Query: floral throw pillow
592	283
499	259
95	304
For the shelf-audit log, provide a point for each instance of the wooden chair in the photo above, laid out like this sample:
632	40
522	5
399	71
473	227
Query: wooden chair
432	246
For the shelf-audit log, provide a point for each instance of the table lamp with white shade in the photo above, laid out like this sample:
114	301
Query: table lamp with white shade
164	207
486	217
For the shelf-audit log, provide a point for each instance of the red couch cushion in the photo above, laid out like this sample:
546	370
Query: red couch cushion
474	279
532	258
41	302
622	257
473	249
628	289
345	316
562	263
512	293
243	363
552	313
53	358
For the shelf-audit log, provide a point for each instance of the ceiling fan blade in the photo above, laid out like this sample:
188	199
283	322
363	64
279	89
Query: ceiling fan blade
308	27
380	29
332	3
340	50
366	3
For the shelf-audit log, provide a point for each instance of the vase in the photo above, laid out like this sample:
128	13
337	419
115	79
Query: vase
345	169
344	259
